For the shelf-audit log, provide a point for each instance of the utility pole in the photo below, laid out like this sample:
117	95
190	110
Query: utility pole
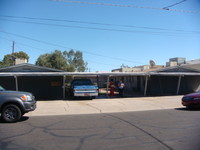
13	49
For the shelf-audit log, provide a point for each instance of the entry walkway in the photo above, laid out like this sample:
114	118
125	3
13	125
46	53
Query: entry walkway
64	107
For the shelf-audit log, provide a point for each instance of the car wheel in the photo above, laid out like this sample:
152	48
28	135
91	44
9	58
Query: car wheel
11	113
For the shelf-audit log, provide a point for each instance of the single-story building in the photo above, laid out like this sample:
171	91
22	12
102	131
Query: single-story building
48	83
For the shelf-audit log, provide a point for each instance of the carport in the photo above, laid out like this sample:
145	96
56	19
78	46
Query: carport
31	78
173	83
51	84
174	80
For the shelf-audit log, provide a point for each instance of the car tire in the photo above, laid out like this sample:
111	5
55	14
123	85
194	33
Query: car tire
11	113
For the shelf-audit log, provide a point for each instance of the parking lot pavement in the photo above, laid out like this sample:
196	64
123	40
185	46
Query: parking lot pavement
65	107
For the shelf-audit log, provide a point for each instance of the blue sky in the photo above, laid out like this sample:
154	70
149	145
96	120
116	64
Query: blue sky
131	33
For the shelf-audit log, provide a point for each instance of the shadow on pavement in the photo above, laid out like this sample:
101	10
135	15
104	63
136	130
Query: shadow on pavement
24	118
188	109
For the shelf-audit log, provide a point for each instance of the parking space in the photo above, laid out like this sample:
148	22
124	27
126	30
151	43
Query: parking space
106	105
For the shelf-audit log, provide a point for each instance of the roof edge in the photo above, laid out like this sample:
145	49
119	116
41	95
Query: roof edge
31	65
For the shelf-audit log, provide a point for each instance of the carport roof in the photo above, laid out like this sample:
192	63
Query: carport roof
178	69
33	70
28	68
90	74
193	66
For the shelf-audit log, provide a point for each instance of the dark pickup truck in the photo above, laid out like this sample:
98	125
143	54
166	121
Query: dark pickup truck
14	104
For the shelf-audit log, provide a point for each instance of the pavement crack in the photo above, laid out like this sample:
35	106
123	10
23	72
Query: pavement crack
65	109
137	127
67	104
95	108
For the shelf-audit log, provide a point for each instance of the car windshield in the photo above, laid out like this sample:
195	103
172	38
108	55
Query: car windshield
1	88
82	82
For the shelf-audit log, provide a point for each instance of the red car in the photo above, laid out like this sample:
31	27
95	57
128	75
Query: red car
191	100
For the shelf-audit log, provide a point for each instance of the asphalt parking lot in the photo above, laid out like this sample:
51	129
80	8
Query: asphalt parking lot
106	105
146	123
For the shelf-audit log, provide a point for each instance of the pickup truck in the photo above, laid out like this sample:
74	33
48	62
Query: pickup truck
83	88
14	104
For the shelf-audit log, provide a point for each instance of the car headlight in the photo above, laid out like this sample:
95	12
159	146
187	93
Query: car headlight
26	98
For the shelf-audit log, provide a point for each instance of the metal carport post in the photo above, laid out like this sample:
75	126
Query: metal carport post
64	77
146	84
107	85
178	86
16	83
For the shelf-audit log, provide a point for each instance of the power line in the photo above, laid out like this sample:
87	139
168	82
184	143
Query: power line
85	22
108	29
24	44
167	8
45	51
130	6
47	43
103	63
25	37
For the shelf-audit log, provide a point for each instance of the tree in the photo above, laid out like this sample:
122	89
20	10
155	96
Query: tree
9	58
75	60
54	60
124	66
69	56
1	64
80	65
69	61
